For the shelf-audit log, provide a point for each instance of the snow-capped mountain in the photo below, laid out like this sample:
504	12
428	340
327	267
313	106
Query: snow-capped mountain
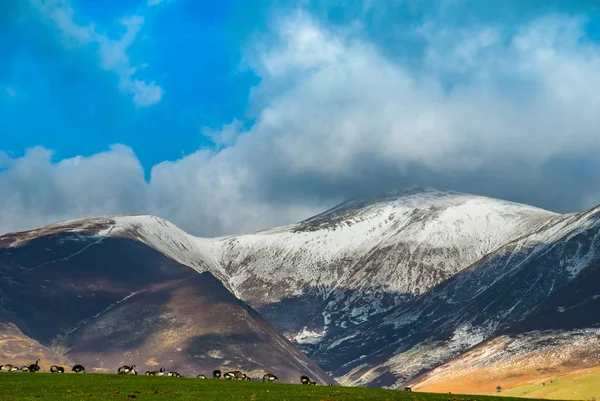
337	268
366	256
380	290
503	292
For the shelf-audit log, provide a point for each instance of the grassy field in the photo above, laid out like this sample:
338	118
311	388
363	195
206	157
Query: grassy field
26	386
580	385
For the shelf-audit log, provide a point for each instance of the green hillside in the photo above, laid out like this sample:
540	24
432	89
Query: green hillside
24	386
581	387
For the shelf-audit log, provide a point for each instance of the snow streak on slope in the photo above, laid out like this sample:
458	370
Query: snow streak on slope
506	360
366	256
500	290
383	242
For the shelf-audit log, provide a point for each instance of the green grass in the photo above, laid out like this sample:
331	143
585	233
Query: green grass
28	386
584	387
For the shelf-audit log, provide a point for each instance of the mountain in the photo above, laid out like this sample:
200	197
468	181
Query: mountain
389	290
365	257
107	301
521	288
362	257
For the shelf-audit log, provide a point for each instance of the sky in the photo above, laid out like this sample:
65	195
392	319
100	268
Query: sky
234	115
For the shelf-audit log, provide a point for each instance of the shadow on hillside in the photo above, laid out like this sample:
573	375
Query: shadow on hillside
67	279
504	292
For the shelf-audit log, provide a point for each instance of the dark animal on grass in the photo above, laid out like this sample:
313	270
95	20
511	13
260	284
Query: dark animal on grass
25	369
216	374
173	374
236	375
57	369
8	368
160	372
200	377
127	370
312	383
78	369
407	389
304	379
269	377
35	367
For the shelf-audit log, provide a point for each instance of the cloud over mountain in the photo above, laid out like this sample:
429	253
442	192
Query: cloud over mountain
487	108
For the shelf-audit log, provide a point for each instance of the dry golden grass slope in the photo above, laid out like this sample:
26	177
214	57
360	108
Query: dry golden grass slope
18	349
542	365
579	385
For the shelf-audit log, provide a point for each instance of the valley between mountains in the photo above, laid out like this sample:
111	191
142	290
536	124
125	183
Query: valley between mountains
434	289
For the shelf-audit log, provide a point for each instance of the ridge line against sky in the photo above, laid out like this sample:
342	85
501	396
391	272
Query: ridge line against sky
224	119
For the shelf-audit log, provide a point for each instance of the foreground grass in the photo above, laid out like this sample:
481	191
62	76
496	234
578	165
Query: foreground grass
583	385
26	386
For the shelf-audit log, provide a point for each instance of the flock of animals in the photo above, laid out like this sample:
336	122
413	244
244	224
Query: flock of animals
130	370
35	367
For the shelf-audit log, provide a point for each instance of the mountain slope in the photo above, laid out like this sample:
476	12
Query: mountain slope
20	350
104	301
366	256
499	293
379	291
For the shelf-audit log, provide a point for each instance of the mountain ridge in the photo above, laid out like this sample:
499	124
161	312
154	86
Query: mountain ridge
365	276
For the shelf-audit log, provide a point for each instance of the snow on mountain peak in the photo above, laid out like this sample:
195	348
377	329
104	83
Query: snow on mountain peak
319	280
413	239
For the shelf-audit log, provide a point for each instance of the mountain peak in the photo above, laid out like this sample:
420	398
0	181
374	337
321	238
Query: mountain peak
420	198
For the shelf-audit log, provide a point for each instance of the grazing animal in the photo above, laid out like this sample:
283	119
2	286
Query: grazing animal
57	369
25	369
236	374
173	374
407	389
78	369
8	368
312	383
35	367
127	370
304	379
160	372
201	377
269	377
216	374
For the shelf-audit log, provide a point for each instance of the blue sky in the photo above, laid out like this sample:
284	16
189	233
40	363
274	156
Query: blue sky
236	115
189	49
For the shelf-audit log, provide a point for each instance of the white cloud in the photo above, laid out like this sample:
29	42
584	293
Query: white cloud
112	54
512	115
36	191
